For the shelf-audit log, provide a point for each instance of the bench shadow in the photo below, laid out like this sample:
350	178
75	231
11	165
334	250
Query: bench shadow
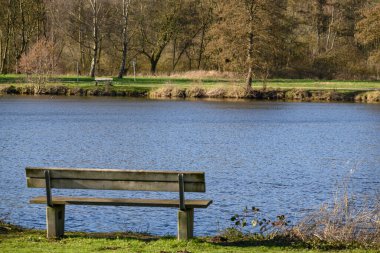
275	242
146	237
216	240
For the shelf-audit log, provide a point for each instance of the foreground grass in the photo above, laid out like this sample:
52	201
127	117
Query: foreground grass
35	241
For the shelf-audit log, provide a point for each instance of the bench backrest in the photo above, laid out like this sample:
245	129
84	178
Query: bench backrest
111	179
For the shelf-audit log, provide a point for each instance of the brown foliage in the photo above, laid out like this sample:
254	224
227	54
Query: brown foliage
289	39
40	62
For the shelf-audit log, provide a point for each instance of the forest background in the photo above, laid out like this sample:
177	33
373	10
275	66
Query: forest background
318	39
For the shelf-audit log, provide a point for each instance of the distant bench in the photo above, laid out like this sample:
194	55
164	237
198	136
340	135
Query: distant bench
107	80
106	179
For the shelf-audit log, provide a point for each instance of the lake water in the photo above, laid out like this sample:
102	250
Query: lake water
285	158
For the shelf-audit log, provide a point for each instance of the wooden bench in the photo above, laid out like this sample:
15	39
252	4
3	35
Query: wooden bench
107	179
107	80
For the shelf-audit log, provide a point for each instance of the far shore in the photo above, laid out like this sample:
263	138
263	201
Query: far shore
185	87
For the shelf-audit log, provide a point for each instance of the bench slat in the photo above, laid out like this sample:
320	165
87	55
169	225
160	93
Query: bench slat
121	202
119	175
115	185
103	79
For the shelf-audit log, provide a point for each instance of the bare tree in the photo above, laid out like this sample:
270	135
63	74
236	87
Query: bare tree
21	23
251	8
125	38
156	33
95	7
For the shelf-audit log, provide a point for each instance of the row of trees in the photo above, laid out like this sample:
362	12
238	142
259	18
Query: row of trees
260	38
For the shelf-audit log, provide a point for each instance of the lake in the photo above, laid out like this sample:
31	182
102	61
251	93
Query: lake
285	158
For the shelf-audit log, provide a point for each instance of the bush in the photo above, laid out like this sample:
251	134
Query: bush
40	62
217	92
237	91
195	92
167	92
369	97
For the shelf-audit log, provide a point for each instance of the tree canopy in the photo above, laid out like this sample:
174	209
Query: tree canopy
255	38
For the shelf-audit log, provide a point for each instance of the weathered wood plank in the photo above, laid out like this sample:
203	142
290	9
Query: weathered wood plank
114	174
185	224
55	221
181	187
103	79
121	202
115	185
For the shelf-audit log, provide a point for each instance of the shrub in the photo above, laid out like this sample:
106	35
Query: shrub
237	91
195	92
165	91
369	97
217	92
40	62
12	90
297	94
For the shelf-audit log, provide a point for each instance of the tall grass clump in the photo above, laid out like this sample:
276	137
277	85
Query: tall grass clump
237	91
216	92
167	91
6	227
195	92
346	221
343	223
369	97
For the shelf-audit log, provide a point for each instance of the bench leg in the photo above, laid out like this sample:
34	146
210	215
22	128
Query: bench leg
185	224
55	221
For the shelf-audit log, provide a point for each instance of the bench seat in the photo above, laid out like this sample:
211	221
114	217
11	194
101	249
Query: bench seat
121	202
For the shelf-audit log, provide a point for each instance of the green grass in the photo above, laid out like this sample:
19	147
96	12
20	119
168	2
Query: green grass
35	241
148	83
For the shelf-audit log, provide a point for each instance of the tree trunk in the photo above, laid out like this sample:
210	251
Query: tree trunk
251	7
94	59
126	4
80	39
320	23
249	78
153	66
201	47
4	65
95	35
174	54
123	61
99	55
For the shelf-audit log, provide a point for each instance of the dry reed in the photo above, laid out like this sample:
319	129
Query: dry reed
368	97
345	222
167	91
195	92
237	91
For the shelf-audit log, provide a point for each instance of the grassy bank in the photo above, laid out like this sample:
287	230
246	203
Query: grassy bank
18	240
185	87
